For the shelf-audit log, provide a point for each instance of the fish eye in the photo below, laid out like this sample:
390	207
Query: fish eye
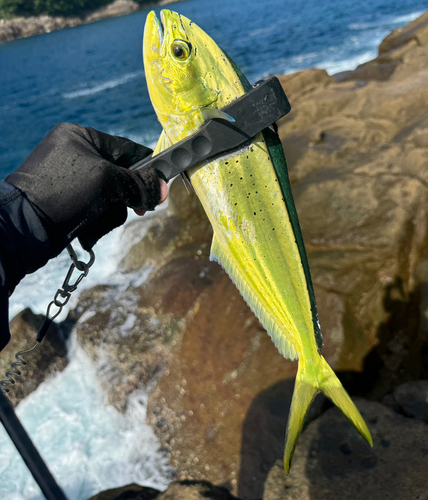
180	50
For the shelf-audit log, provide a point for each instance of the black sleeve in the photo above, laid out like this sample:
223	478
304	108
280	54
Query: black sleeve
24	247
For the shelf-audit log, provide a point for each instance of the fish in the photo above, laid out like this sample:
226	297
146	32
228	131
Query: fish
247	197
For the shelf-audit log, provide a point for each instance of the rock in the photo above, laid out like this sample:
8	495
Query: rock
205	408
181	490
28	26
416	31
184	226
129	492
130	332
357	154
116	8
333	462
195	490
413	399
398	47
303	82
49	357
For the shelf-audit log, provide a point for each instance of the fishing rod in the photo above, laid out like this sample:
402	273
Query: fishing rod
245	117
29	453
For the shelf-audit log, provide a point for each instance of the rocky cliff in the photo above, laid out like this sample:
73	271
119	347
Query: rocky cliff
24	27
357	149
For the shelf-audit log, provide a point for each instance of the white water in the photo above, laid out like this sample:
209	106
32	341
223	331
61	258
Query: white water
356	49
88	445
38	289
110	84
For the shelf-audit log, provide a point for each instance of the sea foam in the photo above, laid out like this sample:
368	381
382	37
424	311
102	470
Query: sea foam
88	445
102	86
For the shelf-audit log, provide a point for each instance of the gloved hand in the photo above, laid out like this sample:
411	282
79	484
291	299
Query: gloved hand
78	182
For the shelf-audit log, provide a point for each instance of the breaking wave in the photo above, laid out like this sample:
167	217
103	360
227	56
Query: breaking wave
88	445
102	86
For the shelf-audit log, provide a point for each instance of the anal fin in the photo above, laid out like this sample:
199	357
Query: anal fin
223	257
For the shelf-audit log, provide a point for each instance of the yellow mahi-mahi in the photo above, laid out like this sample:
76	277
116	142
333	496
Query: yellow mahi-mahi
246	195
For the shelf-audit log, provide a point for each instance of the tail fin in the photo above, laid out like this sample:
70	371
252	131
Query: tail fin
305	389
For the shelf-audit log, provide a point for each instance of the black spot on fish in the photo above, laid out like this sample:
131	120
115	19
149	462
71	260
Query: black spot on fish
195	51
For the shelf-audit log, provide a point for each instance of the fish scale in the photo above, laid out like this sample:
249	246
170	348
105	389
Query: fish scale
247	197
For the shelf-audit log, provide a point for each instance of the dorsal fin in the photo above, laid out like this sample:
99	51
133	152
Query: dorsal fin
277	154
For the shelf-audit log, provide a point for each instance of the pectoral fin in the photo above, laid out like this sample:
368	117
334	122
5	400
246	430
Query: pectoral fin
209	114
163	143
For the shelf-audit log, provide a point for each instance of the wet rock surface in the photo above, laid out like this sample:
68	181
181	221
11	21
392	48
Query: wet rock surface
182	490
333	462
49	357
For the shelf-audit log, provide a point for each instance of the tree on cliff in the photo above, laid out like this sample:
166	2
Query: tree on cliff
10	8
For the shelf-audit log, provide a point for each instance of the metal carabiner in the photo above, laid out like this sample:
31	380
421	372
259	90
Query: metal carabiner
66	286
81	266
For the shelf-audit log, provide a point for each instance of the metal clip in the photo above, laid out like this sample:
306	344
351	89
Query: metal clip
70	287
81	266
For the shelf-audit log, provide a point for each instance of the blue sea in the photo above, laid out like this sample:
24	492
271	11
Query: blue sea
93	75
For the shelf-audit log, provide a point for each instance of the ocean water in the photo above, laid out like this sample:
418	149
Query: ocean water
88	444
93	75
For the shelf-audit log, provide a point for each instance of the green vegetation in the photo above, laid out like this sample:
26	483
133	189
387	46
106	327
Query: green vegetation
10	8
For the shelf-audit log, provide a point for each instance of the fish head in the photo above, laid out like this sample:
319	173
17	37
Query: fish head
186	72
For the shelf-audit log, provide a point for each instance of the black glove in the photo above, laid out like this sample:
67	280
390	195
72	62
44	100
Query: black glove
78	183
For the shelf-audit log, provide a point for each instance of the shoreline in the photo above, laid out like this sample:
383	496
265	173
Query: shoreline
25	27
